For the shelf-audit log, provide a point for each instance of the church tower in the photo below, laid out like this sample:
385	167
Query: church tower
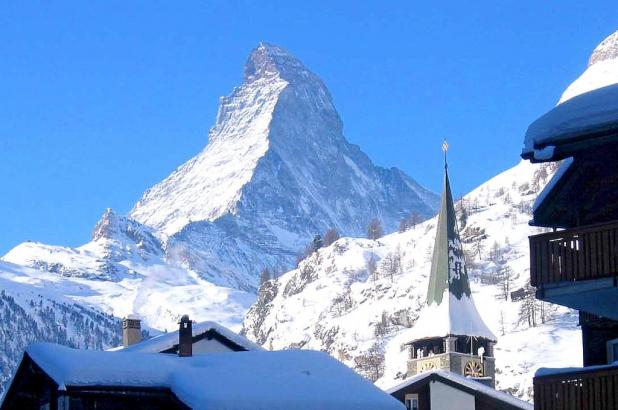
449	333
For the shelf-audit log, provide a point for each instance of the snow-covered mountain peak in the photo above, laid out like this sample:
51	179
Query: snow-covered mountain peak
607	50
108	226
270	60
602	69
277	170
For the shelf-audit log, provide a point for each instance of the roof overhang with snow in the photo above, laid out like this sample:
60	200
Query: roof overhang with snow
582	192
299	379
585	122
480	391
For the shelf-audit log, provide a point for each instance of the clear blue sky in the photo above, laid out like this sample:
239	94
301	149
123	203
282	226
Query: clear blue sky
100	100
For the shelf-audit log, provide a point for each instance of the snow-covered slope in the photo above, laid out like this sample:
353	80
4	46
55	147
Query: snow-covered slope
335	301
32	313
122	271
602	69
276	171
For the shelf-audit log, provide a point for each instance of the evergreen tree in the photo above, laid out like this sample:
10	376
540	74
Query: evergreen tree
375	230
317	242
265	276
331	236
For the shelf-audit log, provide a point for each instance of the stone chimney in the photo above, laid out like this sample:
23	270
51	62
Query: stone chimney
131	330
185	337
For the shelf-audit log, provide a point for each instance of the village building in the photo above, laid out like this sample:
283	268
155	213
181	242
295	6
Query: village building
53	377
205	337
576	265
450	333
444	390
201	366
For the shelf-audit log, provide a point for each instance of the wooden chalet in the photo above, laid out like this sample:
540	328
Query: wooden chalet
55	377
576	264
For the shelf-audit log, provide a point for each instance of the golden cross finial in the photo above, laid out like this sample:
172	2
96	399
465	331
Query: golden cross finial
444	149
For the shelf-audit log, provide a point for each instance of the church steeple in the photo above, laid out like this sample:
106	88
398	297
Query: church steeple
448	268
449	325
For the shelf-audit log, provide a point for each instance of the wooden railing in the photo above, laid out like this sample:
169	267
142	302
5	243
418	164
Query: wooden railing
589	389
589	252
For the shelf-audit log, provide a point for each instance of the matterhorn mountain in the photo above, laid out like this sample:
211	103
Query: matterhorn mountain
277	170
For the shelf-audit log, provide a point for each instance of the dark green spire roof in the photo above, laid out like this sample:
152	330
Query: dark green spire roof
448	268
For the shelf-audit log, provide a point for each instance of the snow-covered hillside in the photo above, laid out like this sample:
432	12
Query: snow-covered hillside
123	271
358	299
33	313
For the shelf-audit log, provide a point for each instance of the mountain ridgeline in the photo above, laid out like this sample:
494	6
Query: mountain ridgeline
277	170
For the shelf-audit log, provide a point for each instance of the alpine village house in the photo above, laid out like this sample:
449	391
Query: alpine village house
202	366
576	264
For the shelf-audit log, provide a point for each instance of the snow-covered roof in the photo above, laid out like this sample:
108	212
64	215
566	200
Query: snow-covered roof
299	379
466	382
588	114
168	340
451	317
548	371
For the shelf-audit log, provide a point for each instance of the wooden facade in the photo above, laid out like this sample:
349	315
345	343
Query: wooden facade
577	264
33	389
577	254
585	389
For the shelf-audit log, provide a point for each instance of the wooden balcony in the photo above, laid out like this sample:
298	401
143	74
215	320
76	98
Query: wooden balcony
572	266
590	389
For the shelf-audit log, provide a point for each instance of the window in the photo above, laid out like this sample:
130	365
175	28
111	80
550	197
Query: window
412	402
612	351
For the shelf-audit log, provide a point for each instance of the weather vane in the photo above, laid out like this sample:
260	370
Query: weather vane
445	149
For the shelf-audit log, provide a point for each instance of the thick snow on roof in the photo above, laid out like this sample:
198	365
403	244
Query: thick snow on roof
168	340
467	382
580	110
451	317
592	112
548	371
299	379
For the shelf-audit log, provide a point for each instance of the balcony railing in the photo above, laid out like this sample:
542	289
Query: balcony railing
578	254
590	389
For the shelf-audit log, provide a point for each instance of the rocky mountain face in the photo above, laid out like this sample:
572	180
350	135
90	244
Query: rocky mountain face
359	299
277	170
115	241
